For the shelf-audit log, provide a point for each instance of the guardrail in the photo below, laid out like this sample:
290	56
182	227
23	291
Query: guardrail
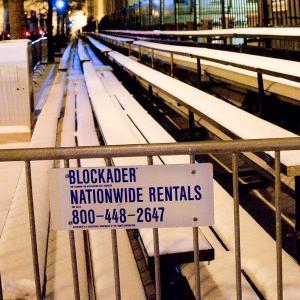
39	51
234	147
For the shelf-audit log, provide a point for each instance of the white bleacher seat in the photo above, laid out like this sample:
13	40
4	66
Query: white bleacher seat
135	32
69	114
63	65
169	242
273	32
106	118
179	240
85	118
256	259
100	240
222	113
59	264
81	51
276	85
96	62
52	108
102	48
59	267
247	79
257	248
217	277
116	38
44	90
173	240
131	286
11	170
240	75
247	61
150	128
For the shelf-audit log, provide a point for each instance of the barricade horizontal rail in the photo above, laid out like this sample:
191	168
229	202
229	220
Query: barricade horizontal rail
192	148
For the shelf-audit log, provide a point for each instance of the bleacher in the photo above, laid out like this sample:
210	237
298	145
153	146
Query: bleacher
88	106
279	77
159	80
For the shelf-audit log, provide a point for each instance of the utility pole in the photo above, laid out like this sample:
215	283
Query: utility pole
50	32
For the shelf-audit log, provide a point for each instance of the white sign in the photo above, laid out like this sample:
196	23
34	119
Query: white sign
131	197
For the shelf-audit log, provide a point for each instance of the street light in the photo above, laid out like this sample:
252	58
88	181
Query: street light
60	4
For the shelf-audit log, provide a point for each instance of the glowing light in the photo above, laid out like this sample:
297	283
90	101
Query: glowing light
60	4
78	20
27	33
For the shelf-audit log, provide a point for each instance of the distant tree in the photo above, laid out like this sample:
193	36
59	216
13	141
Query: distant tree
16	18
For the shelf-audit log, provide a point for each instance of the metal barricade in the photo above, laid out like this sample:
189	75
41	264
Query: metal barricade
235	148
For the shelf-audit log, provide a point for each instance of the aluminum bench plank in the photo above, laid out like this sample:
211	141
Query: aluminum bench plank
225	114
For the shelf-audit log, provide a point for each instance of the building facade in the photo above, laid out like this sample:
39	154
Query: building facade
203	14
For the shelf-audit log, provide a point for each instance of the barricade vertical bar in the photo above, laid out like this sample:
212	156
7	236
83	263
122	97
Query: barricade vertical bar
278	225
90	277
156	254
150	160
116	263
297	208
157	264
74	264
35	257
196	252
172	64
114	242
237	237
1	291
73	255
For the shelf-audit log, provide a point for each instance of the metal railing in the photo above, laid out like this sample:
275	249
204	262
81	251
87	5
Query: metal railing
192	149
39	51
